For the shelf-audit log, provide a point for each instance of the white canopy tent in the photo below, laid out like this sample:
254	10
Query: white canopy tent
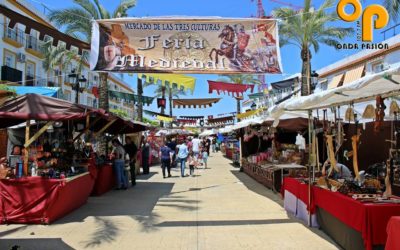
386	83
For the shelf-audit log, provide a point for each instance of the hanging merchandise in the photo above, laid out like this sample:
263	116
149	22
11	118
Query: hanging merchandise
181	82
230	88
379	113
369	112
249	113
178	103
349	116
130	97
164	118
394	108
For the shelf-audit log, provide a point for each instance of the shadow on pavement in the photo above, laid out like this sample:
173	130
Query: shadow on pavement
34	244
145	176
256	187
10	231
222	223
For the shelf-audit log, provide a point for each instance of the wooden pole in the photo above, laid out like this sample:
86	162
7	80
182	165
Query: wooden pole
29	141
26	156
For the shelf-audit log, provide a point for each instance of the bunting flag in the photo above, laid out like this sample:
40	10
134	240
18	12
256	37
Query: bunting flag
257	95
249	113
221	120
186	121
147	100
164	118
230	113
192	117
235	89
181	82
178	103
154	114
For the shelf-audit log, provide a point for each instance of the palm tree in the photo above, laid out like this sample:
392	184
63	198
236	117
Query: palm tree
56	57
309	28
77	23
160	93
240	79
393	7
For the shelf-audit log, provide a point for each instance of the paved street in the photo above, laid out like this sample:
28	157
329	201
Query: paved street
220	208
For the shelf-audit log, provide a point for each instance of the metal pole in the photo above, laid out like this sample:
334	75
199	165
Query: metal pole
309	165
77	89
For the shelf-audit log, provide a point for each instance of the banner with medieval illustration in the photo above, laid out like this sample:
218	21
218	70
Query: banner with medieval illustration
188	45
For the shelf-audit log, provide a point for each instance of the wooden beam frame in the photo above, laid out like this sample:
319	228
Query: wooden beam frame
39	133
26	156
105	127
87	127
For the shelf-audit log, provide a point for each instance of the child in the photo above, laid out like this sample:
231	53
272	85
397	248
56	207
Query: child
192	160
205	156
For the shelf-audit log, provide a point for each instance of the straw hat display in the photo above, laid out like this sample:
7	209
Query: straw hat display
394	107
349	116
369	112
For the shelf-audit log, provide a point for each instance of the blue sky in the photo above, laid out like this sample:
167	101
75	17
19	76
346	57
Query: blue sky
226	8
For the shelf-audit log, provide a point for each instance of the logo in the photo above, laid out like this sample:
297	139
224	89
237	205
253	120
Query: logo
374	16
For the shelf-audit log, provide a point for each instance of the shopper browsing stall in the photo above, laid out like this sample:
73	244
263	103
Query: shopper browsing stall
119	164
131	150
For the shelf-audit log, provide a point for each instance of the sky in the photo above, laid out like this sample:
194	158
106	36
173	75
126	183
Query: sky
225	8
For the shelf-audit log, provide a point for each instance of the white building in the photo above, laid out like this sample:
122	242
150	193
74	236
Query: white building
21	49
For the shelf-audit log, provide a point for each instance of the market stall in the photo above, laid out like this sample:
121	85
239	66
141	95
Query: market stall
352	203
54	170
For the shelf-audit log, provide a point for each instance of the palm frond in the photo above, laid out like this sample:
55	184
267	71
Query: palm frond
122	9
89	7
393	7
104	14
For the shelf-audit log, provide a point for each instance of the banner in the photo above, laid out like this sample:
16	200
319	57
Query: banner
249	113
186	45
128	97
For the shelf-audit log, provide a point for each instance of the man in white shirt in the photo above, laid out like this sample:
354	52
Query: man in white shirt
196	146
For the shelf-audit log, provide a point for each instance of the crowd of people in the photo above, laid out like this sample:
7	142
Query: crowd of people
191	152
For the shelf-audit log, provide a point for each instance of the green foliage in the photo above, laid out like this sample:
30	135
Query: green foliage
120	113
151	122
240	79
393	7
309	27
7	88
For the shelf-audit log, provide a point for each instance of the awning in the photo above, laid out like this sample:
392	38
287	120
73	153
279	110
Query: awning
354	74
386	83
175	80
204	102
147	100
46	91
231	88
335	82
284	84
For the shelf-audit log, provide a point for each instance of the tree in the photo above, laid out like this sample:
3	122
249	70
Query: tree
77	22
393	7
160	93
56	57
240	79
309	28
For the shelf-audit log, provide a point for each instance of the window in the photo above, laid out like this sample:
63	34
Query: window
9	59
89	101
30	69
67	95
378	67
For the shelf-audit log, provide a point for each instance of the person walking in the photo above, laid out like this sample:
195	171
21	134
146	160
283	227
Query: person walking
193	162
208	145
145	156
119	164
204	155
131	150
166	159
214	144
182	156
172	145
196	146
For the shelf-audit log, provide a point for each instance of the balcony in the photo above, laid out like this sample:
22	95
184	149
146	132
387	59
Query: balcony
9	74
15	37
29	80
51	84
34	47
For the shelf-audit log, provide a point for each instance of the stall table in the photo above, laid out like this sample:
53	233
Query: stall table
105	179
393	232
36	200
368	219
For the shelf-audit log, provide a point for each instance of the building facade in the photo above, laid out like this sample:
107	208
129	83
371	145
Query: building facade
23	35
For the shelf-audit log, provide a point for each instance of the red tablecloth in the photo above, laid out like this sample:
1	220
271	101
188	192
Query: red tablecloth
105	179
298	189
369	219
35	200
393	232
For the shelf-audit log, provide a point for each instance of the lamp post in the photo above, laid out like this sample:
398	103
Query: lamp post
75	76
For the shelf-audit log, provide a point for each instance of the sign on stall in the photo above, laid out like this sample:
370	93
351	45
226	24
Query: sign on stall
186	45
